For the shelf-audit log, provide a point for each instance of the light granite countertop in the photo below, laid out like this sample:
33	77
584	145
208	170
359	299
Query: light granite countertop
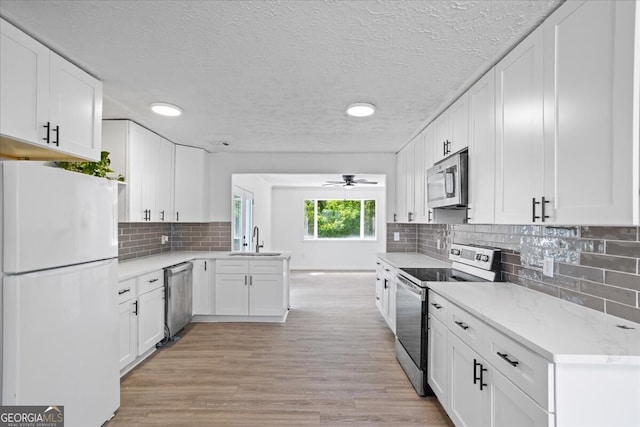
411	260
558	330
138	266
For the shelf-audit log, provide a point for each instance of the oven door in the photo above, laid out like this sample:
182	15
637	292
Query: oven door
410	311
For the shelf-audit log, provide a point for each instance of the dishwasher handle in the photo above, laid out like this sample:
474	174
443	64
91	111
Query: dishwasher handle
179	268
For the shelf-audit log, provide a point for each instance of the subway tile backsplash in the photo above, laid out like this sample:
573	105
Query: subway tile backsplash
136	240
597	267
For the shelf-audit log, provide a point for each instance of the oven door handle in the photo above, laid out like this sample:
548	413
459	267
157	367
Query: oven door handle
418	294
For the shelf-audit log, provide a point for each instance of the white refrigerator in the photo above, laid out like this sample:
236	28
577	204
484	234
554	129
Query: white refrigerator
59	283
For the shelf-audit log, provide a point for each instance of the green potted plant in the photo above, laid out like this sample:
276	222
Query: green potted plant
100	169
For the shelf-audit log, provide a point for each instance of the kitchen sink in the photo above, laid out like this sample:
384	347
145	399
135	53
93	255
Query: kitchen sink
255	254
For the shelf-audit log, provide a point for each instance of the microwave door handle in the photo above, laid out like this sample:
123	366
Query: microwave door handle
449	183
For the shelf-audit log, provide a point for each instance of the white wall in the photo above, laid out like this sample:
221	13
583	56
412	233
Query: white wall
223	165
261	206
288	218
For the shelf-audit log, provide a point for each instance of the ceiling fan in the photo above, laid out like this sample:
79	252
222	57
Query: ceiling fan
348	181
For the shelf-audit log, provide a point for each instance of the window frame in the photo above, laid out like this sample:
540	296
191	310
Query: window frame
361	238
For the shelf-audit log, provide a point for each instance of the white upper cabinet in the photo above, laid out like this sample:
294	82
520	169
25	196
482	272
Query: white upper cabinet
482	150
145	159
591	154
191	178
419	179
451	129
409	181
49	109
519	131
401	187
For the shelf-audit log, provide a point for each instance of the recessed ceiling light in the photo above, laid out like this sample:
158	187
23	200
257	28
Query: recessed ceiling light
361	109
165	109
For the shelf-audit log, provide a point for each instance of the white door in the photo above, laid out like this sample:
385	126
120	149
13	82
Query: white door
63	328
466	400
201	286
442	136
24	84
401	187
437	364
232	294
482	148
191	174
150	319
509	406
242	220
265	295
459	112
519	131
128	332
164	182
589	113
75	109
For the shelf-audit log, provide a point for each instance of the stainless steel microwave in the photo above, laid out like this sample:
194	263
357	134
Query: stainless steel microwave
447	182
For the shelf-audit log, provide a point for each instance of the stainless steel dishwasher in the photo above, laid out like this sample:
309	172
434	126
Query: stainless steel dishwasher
178	285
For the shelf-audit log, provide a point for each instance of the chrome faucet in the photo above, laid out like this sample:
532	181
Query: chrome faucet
256	235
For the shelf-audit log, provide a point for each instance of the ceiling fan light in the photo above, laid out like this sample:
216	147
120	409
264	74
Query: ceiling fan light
361	109
349	185
165	109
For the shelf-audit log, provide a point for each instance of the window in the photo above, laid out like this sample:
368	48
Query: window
339	219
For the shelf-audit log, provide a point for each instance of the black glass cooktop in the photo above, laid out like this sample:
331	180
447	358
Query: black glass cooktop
440	275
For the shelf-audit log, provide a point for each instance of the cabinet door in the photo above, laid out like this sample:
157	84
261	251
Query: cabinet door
519	131
128	332
150	143
379	290
509	406
401	187
164	181
150	319
482	145
24	85
201	286
419	179
135	178
392	285
232	294
442	135
459	112
191	174
408	180
437	362
466	401
265	295
589	113
75	109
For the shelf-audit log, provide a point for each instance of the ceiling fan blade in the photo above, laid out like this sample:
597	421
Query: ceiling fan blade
334	182
364	181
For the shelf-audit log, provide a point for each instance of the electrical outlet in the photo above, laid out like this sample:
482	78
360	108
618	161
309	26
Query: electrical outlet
438	244
396	236
164	240
547	266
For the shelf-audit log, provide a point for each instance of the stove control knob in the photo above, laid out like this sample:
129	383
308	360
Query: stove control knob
485	258
455	251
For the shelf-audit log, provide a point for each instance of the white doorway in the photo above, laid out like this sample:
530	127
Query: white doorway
242	219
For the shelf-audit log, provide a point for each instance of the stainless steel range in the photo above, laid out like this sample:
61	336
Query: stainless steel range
470	264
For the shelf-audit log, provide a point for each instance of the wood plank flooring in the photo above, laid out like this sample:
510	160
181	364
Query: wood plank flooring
331	364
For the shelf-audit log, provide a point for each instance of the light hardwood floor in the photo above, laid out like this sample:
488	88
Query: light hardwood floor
332	363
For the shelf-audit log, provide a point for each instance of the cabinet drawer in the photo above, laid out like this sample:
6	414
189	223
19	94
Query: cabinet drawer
150	281
526	369
438	306
265	267
126	290
232	266
468	328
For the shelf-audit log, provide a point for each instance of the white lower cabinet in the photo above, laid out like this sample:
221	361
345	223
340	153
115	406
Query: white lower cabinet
251	288
437	359
386	292
141	317
483	378
203	293
128	322
150	319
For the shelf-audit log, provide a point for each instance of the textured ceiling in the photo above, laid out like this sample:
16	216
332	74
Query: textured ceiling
277	75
